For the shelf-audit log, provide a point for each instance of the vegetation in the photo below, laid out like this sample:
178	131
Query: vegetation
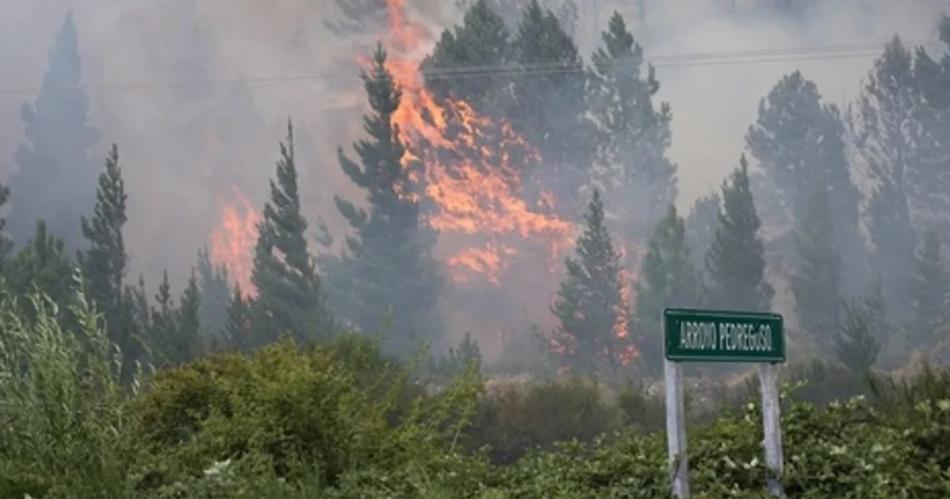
333	375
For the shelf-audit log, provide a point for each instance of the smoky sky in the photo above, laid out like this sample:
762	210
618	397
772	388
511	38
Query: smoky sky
197	92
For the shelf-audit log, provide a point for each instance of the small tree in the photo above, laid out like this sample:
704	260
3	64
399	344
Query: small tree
855	344
667	279
929	291
290	296
589	306
105	261
816	278
237	327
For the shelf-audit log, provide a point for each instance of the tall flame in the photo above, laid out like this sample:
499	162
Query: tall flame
470	178
233	240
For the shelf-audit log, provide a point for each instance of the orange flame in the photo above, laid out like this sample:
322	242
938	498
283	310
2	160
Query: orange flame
232	242
468	168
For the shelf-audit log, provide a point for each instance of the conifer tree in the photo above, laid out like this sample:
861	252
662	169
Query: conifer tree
929	185
632	134
589	302
187	343
214	295
550	107
237	328
701	228
54	166
386	280
42	265
667	279
481	41
930	291
799	143
162	327
736	261
815	281
290	296
104	262
887	137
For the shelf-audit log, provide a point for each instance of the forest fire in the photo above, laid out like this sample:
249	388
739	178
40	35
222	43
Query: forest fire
470	173
232	242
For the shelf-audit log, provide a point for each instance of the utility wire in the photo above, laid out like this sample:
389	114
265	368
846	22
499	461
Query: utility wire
694	59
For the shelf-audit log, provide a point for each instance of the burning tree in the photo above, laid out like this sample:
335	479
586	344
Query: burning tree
386	280
592	306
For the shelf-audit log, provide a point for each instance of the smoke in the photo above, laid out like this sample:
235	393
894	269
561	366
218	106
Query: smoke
197	93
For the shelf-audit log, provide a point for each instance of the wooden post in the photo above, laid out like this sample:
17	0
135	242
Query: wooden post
676	429
772	429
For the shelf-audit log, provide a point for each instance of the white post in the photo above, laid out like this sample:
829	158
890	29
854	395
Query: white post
771	428
676	429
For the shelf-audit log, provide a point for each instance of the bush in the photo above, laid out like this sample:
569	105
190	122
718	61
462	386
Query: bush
63	415
516	417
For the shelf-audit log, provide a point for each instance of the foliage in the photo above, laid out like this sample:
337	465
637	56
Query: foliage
514	418
42	265
590	305
458	360
65	423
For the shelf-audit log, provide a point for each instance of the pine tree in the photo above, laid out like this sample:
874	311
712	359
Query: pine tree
816	278
799	143
667	279
161	331
736	261
214	295
632	135
44	266
237	328
701	228
550	107
589	304
187	344
886	135
385	280
104	262
290	296
930	291
481	41
54	163
929	185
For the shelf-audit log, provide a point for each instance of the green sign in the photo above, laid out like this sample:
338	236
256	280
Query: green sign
717	336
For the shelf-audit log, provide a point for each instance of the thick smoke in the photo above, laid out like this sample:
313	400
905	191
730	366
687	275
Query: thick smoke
197	93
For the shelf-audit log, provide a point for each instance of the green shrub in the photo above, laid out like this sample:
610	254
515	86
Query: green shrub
63	411
516	417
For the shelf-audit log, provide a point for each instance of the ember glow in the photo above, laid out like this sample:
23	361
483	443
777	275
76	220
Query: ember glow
471	166
232	242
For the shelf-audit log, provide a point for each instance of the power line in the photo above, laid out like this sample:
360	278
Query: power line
693	59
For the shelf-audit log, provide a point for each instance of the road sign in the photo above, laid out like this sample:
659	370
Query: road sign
718	336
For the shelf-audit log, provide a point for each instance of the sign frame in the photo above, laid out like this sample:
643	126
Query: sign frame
677	461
